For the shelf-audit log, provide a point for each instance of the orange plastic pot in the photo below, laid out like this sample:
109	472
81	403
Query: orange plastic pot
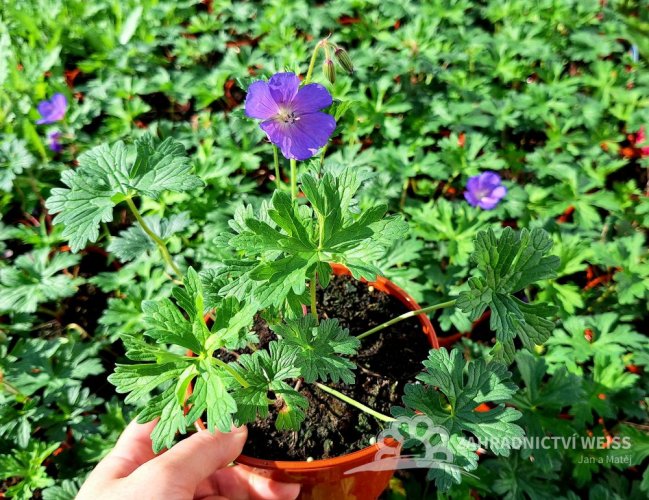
329	478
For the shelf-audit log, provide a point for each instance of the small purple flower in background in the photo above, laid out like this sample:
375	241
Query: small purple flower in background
485	190
53	110
54	141
291	115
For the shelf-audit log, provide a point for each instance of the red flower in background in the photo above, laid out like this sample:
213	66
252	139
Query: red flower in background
641	143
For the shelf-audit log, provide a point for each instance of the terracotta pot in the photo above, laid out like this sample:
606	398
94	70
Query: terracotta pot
327	479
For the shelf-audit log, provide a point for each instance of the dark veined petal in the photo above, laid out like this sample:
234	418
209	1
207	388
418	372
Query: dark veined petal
259	103
311	98
283	87
302	139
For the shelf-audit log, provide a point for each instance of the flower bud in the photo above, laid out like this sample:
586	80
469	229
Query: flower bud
329	70
344	59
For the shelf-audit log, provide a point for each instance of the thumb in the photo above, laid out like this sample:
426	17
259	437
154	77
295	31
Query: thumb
197	457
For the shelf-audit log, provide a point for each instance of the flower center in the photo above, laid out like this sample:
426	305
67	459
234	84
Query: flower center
287	116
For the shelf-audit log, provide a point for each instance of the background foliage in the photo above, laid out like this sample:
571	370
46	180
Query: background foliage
549	93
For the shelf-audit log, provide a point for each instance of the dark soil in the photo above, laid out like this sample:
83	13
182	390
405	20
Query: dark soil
386	362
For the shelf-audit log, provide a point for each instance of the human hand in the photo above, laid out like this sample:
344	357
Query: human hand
195	468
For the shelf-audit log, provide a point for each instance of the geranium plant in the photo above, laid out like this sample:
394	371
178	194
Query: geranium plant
284	250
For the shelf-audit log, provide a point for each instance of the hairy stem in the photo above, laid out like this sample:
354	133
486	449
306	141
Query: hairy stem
312	290
161	244
309	72
293	179
355	403
407	315
244	383
278	180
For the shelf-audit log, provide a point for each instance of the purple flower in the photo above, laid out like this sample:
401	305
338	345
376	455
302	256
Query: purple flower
53	141
52	110
485	190
291	115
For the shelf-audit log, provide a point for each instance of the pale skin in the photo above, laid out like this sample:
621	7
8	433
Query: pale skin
196	468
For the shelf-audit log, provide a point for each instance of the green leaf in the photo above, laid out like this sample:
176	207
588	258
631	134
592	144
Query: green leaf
167	324
265	372
284	242
507	265
34	279
570	347
140	379
320	348
448	399
212	395
171	419
27	467
541	400
130	25
161	167
106	177
133	242
14	159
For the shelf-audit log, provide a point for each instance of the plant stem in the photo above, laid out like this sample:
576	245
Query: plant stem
312	289
161	244
407	315
278	180
231	371
309	72
355	403
293	179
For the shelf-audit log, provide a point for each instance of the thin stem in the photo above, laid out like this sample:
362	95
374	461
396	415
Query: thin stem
355	403
407	315
244	383
312	289
309	72
293	179
9	388
161	244
278	180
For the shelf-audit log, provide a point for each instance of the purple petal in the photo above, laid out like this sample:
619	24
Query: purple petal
489	180
259	103
488	203
470	197
473	184
311	98
54	141
60	103
283	87
302	139
499	193
53	110
45	110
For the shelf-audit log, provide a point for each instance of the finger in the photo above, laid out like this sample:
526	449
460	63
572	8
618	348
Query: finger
133	449
238	483
196	458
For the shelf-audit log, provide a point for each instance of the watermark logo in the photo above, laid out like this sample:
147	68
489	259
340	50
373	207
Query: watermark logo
417	430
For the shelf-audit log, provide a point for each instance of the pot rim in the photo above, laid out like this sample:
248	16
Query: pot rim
386	286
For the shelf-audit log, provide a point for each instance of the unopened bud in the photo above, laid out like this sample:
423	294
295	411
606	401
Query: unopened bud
329	70
344	59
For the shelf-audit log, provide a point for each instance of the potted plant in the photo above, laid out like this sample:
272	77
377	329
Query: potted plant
259	340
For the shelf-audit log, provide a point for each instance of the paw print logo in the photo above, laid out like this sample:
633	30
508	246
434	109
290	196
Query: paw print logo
416	431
